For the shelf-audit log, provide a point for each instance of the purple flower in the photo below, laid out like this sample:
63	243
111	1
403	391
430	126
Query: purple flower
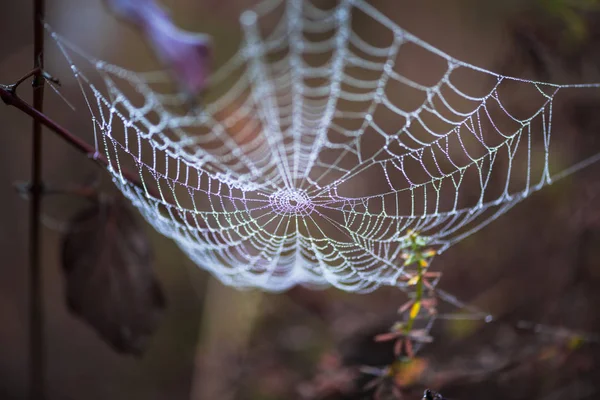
186	54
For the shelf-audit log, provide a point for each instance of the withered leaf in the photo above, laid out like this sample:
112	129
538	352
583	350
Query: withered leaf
110	283
186	54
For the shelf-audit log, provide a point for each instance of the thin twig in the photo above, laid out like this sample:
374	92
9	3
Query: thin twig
34	72
36	307
38	74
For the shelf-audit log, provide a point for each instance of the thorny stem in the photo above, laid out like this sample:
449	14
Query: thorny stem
36	307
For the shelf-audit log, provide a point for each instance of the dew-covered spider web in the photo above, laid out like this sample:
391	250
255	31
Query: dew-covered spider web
328	136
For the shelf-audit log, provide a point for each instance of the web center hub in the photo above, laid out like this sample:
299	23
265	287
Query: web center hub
291	202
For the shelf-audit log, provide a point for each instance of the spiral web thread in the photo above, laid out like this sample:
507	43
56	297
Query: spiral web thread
323	145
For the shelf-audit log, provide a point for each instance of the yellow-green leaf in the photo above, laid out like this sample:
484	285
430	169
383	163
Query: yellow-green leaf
413	280
429	253
414	310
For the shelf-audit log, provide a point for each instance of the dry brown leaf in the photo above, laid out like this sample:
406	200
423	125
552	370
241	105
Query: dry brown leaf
110	283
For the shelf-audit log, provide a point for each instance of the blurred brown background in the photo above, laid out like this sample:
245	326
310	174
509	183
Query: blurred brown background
539	262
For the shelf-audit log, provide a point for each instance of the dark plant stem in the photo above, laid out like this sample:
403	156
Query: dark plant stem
36	307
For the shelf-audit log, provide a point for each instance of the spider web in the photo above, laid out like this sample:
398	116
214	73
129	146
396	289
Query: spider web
320	143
